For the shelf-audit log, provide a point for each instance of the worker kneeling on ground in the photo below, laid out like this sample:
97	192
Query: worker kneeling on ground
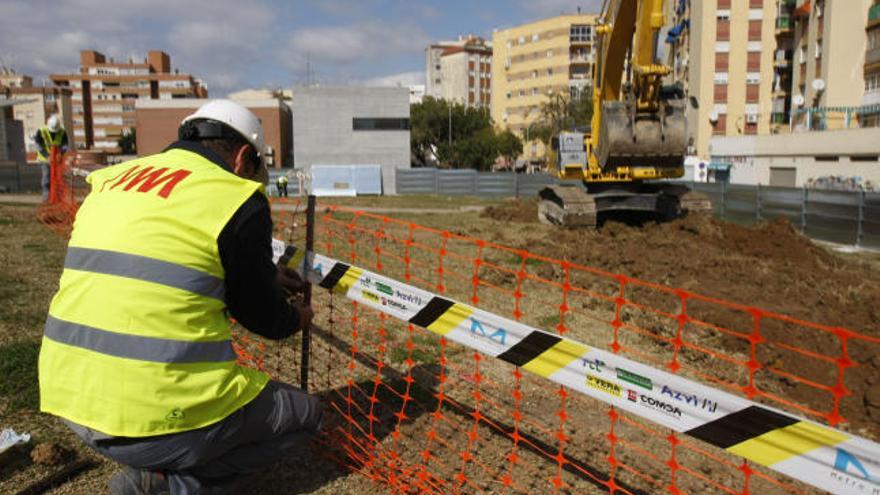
137	355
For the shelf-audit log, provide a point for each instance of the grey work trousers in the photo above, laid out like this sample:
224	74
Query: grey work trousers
45	179
207	460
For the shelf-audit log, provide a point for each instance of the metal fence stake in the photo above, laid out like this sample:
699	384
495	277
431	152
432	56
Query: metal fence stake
515	185
723	200
860	233
804	198
307	294
758	203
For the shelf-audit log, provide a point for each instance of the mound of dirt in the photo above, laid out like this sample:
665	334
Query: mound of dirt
518	210
770	266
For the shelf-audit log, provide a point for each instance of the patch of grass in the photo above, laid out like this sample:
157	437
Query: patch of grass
18	367
426	349
549	322
517	261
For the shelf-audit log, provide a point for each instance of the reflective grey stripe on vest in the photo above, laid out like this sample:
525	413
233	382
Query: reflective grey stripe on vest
144	268
137	347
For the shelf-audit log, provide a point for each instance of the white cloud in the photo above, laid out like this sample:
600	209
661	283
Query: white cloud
202	36
403	79
361	42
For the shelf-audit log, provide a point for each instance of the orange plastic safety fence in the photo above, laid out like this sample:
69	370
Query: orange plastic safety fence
65	193
419	414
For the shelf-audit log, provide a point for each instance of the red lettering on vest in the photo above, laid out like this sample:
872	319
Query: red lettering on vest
147	179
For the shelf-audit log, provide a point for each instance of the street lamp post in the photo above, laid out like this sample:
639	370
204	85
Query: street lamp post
449	107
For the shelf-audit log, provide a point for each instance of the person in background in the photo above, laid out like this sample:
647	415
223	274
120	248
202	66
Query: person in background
51	135
281	184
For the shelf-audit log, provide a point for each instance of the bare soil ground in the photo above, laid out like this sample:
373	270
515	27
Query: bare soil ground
769	266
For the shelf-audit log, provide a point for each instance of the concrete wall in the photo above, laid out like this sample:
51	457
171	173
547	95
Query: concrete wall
323	132
158	120
847	153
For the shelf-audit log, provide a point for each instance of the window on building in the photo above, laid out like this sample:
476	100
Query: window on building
753	93
723	30
818	48
722	62
753	61
581	33
380	124
535	38
549	53
720	126
755	30
534	74
522	40
720	93
723	14
723	4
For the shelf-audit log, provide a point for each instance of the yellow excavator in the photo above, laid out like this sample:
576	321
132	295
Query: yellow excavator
638	134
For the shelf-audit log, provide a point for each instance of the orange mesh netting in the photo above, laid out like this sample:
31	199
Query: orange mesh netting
419	414
66	191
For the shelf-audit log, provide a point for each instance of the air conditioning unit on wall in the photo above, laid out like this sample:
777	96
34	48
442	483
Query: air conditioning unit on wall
752	118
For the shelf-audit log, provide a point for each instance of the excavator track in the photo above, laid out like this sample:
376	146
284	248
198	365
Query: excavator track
576	207
567	207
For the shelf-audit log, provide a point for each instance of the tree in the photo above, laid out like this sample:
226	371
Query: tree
562	113
471	144
127	142
510	146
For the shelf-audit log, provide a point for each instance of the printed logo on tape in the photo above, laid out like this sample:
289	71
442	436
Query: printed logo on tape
603	385
637	380
692	400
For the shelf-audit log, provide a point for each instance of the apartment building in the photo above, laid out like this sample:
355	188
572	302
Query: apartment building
534	62
34	105
872	68
830	47
460	71
104	93
727	60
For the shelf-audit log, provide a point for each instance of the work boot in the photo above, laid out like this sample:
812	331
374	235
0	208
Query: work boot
131	481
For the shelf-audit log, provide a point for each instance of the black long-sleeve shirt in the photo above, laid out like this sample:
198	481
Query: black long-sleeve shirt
253	296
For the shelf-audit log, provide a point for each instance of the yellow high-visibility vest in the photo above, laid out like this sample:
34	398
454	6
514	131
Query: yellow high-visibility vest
137	341
49	141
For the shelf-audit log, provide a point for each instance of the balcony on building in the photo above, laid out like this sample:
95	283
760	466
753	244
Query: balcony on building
784	25
874	14
579	72
783	58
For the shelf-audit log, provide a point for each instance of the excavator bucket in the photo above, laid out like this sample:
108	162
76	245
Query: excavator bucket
642	140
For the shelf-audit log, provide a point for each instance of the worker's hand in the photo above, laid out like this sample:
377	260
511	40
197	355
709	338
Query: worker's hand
290	280
305	314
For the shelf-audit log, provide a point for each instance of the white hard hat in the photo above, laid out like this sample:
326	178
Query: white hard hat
54	123
238	118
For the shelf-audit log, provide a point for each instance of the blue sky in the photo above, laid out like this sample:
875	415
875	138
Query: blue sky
236	44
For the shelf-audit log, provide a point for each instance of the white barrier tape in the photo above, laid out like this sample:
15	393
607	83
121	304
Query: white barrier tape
821	456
